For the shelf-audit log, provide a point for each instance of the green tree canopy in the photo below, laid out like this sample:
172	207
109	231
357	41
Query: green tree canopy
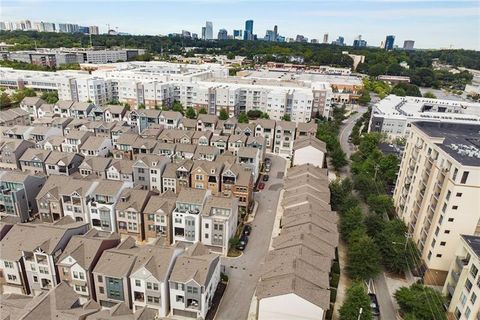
357	298
191	114
50	97
363	257
351	220
177	106
4	100
202	111
223	114
242	117
420	302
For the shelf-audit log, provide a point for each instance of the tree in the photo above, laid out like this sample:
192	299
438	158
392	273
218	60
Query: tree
380	204
420	302
356	299
4	100
264	116
254	114
191	114
363	257
22	93
339	190
141	106
364	98
286	117
177	106
202	111
242	117
398	252
429	95
350	221
338	158
230	56
223	114
50	97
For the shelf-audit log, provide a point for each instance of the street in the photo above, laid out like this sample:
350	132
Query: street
387	310
244	271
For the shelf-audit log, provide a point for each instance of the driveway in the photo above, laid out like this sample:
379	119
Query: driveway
244	271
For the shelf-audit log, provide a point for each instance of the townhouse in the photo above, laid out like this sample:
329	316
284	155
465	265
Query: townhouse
158	217
14	116
206	175
33	160
149	278
129	213
17	194
193	282
206	122
120	169
235	142
76	263
187	214
94	166
96	146
170	119
18	132
284	137
250	158
219	221
176	175
31	105
75	198
309	150
29	254
202	138
148	170
238	181
266	128
101	209
219	142
61	163
11	150
49	201
74	140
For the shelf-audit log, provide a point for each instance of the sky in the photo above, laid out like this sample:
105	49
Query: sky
431	23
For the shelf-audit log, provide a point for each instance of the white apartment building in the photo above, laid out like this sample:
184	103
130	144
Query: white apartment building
462	287
394	115
437	191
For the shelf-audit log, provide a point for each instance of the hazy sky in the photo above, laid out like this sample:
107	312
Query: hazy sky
431	23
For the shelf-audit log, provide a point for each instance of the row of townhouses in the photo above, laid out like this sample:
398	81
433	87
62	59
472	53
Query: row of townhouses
296	273
101	274
198	86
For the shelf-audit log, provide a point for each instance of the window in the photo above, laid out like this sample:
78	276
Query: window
149	285
450	219
467	313
447	231
155	286
473	298
454	207
463	299
439	255
99	278
459	194
443	243
464	177
179	298
468	285
429	255
474	271
101	290
12	277
8	264
35	279
206	235
137	283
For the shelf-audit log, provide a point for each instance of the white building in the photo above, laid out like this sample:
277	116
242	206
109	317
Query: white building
437	191
309	150
394	115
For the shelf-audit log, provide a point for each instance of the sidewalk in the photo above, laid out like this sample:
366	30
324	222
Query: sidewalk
344	282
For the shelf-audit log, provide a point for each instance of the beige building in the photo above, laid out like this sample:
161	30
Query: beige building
462	287
438	191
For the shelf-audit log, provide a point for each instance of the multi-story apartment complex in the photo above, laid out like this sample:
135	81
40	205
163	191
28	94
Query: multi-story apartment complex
436	190
394	115
462	286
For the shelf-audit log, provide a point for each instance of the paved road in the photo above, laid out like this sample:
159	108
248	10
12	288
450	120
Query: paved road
387	310
244	271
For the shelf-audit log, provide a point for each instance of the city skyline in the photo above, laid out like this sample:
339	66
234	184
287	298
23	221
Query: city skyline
436	25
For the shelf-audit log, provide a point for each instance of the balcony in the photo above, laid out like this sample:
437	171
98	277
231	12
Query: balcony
192	303
462	262
455	276
451	290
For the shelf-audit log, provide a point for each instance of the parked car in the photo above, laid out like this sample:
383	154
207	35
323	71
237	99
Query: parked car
374	305
268	161
242	243
247	229
265	177
261	186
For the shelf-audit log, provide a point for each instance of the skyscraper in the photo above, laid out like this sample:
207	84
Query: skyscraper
325	38
204	31
248	33
94	30
408	44
275	33
222	34
359	43
340	41
389	41
208	30
237	34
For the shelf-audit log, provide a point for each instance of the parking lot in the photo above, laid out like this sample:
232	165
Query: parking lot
244	271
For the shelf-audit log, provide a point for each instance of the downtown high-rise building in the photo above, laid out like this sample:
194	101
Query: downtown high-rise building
325	38
237	34
389	41
408	44
222	34
94	30
208	30
248	33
